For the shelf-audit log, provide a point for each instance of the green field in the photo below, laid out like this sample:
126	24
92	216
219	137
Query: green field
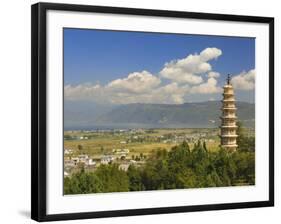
142	141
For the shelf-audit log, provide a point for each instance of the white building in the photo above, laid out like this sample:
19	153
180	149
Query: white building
83	158
124	166
67	151
106	159
91	162
69	163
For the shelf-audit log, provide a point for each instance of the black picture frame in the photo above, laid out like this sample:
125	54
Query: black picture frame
39	125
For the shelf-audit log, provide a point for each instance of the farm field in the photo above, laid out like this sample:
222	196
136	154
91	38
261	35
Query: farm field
142	141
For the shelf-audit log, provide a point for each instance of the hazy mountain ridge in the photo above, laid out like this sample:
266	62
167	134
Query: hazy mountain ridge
201	114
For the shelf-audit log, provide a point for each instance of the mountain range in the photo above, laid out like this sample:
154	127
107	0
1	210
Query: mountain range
139	115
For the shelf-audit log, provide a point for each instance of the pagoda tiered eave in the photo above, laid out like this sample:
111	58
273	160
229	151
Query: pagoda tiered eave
228	117
229	108
229	100
229	136
229	126
230	146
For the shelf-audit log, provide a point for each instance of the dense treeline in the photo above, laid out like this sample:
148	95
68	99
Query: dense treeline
178	168
245	143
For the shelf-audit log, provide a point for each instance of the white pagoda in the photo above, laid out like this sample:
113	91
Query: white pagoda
228	118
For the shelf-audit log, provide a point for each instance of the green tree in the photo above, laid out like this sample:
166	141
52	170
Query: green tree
205	146
82	183
102	149
245	163
244	142
186	178
112	179
135	179
80	147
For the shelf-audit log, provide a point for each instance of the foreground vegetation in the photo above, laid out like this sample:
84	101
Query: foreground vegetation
179	168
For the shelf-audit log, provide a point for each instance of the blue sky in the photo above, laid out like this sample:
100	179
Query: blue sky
97	58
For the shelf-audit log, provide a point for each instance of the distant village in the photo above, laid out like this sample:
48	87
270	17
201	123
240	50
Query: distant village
118	156
121	155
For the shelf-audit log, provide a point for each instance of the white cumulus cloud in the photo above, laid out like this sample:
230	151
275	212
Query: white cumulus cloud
83	91
171	93
138	87
244	80
210	53
136	82
189	70
209	87
178	80
213	75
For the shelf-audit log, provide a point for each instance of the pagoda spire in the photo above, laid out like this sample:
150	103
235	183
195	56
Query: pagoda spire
228	79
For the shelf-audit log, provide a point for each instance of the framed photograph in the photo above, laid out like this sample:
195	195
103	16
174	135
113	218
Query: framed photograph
139	111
